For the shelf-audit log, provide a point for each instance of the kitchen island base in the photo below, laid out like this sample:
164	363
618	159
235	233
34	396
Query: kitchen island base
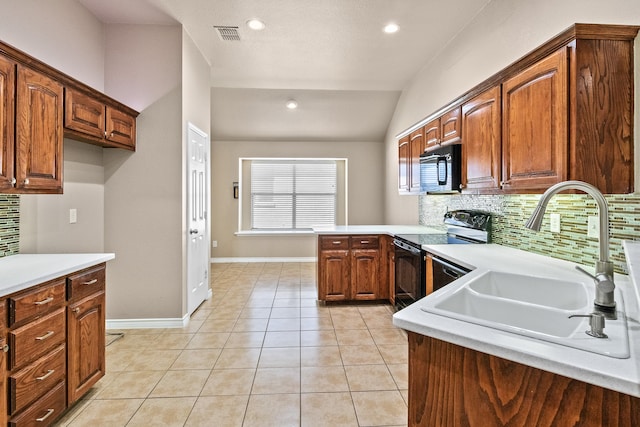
450	385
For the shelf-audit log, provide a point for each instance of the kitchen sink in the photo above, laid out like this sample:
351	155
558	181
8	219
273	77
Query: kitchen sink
536	307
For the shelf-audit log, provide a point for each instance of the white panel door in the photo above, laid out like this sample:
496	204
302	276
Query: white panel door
198	203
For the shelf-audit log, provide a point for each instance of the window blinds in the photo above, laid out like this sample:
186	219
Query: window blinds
292	194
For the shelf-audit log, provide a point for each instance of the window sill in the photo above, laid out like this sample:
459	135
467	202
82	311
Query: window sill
275	233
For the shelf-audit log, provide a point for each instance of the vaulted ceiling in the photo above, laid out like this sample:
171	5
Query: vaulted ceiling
330	55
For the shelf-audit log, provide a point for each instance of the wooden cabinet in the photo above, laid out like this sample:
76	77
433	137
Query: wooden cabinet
444	130
7	120
91	120
404	161
389	267
534	125
349	268
56	344
416	147
450	385
481	153
86	331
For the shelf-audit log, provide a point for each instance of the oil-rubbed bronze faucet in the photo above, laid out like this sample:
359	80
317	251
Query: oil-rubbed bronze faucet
604	301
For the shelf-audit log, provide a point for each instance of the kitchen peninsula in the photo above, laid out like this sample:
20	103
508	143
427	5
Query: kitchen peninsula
461	372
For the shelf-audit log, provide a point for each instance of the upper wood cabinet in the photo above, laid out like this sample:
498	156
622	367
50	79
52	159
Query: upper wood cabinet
416	147
481	135
443	130
562	112
89	119
534	125
39	134
36	103
403	164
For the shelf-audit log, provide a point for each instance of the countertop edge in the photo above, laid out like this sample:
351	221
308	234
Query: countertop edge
42	268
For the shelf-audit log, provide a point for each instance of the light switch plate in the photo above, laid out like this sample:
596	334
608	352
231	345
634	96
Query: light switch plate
73	216
214	243
554	224
593	227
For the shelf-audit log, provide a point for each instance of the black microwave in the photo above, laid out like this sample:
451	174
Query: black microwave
441	170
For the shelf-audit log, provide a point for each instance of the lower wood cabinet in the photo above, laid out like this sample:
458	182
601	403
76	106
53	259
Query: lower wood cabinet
351	268
454	386
56	346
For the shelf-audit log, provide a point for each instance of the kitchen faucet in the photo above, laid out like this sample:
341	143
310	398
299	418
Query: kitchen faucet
604	301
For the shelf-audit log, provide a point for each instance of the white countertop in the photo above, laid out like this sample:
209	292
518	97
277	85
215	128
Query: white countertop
391	230
18	272
617	374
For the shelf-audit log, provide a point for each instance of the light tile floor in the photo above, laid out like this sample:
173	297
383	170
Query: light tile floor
261	352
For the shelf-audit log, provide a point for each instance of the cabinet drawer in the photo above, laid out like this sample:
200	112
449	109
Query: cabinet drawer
365	242
33	381
334	242
36	302
44	411
86	282
31	341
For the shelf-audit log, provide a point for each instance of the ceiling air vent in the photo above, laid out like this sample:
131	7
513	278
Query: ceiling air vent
227	33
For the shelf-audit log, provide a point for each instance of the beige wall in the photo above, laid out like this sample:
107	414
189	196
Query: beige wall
501	33
143	190
365	199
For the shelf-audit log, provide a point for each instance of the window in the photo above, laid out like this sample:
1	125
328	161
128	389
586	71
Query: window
292	194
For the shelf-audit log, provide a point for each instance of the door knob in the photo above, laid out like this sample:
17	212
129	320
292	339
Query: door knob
193	231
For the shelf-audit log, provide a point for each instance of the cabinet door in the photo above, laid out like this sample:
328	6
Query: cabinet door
39	133
365	274
403	164
7	142
534	137
84	114
121	128
416	147
334	276
86	341
481	141
450	125
432	134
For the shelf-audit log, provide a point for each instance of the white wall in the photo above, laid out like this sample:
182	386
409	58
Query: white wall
365	199
499	35
143	190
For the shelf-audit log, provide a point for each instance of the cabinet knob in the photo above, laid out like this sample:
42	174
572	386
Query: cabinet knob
26	181
76	310
13	181
5	348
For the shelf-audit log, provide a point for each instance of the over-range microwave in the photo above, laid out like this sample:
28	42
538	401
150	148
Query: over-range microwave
441	170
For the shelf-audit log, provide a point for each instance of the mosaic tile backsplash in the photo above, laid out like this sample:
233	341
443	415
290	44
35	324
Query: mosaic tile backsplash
9	224
510	212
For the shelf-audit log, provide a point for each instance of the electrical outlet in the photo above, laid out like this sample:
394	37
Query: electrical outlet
593	227
214	243
554	224
73	216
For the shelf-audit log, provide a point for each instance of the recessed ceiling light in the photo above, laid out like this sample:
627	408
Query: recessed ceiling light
391	28
292	104
256	24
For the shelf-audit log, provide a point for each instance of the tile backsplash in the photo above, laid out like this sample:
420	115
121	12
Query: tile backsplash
510	212
9	224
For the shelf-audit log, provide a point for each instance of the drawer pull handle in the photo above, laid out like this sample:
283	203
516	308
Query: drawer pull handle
364	242
45	336
49	412
47	375
44	301
336	242
90	282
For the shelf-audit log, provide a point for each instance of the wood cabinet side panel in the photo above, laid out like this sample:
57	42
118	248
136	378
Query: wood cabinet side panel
452	386
602	112
403	165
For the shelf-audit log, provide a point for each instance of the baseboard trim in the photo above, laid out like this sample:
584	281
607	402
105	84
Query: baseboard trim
262	259
148	323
